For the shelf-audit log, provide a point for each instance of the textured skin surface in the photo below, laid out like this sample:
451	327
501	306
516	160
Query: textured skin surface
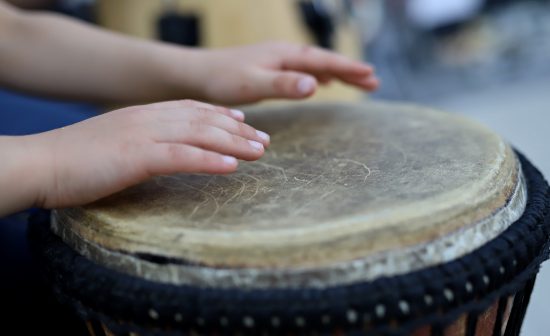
341	182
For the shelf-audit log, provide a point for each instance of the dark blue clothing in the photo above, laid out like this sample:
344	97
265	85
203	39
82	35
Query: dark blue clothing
24	295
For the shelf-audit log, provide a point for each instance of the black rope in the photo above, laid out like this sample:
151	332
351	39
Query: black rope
438	330
96	328
513	320
471	324
526	299
521	300
502	304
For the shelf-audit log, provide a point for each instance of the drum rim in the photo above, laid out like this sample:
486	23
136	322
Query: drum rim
357	270
357	234
114	294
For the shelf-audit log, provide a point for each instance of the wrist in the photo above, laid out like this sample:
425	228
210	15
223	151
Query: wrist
23	173
184	71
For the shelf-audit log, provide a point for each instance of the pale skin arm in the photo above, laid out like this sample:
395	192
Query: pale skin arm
51	55
95	158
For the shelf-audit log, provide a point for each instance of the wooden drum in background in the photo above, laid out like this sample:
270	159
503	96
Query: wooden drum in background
375	218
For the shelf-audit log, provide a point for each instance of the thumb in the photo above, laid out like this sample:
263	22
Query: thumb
284	84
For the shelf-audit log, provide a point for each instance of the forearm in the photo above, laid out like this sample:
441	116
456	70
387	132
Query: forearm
55	56
21	171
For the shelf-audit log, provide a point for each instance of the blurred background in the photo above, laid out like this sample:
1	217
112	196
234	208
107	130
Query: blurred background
487	59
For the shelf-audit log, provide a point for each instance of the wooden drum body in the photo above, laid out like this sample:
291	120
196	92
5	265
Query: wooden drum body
378	219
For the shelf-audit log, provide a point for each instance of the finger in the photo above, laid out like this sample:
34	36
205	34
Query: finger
283	84
230	125
214	139
171	158
316	60
174	104
173	123
368	83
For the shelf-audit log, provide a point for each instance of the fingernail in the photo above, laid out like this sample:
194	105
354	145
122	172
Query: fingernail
229	160
237	114
306	85
263	135
256	145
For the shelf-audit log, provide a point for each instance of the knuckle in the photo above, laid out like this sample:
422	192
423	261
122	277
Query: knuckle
248	130
306	49
243	129
280	45
235	140
201	116
280	83
203	111
196	126
223	110
173	152
207	158
188	102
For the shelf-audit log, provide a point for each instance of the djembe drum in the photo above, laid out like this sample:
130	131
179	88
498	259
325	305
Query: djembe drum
374	219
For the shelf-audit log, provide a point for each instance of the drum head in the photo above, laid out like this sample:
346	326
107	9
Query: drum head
345	193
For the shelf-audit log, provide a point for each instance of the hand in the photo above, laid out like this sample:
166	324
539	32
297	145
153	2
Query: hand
277	70
108	153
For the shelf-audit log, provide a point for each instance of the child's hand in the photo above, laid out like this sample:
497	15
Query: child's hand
277	70
39	47
108	153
